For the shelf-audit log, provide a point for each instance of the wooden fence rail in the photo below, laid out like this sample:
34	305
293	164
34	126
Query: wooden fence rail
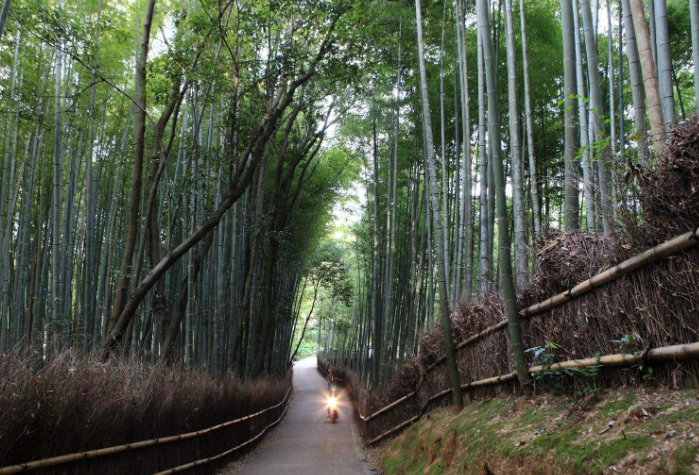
665	353
668	248
198	463
688	351
61	459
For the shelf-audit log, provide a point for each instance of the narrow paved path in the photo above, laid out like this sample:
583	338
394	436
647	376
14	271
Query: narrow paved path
306	442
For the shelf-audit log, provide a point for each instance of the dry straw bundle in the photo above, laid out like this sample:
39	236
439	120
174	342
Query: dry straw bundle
654	306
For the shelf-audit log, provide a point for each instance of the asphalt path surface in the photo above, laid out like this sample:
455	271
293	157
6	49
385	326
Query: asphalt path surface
306	442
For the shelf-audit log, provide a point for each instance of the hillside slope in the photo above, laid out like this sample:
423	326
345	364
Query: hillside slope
633	432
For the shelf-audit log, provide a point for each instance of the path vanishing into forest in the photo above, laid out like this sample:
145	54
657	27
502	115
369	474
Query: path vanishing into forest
306	441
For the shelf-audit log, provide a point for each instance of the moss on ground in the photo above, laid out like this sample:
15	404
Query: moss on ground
620	432
685	459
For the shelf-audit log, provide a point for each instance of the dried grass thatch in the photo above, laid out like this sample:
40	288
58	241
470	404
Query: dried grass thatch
670	192
72	404
567	258
657	304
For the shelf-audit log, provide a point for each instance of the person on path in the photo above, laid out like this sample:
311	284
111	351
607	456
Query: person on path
329	378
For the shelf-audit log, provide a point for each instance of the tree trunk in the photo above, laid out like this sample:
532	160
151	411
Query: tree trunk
533	178
505	263
56	271
587	165
606	197
694	16
443	157
636	77
518	208
650	80
610	79
436	217
465	244
570	112
377	339
483	249
664	55
3	16
137	170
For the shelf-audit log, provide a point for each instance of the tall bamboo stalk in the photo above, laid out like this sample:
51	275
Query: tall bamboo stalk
694	19
499	176
518	205
436	218
533	177
650	80
664	62
604	164
636	78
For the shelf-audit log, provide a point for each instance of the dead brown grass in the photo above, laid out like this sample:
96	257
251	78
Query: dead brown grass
72	404
670	192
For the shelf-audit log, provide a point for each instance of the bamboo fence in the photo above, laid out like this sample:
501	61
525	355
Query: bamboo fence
685	351
62	459
666	249
665	353
200	462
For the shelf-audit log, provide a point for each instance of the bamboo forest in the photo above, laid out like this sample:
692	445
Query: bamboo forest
349	236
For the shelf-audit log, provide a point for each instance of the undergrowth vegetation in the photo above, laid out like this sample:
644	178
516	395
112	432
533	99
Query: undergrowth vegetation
71	404
613	432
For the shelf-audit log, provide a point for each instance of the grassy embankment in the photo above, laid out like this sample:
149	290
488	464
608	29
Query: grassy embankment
652	432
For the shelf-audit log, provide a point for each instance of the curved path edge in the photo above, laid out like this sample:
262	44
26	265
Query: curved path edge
306	442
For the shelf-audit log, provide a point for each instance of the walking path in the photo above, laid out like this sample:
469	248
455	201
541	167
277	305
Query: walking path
306	442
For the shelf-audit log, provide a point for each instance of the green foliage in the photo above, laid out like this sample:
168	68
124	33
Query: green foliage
685	458
546	357
308	347
330	271
630	343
